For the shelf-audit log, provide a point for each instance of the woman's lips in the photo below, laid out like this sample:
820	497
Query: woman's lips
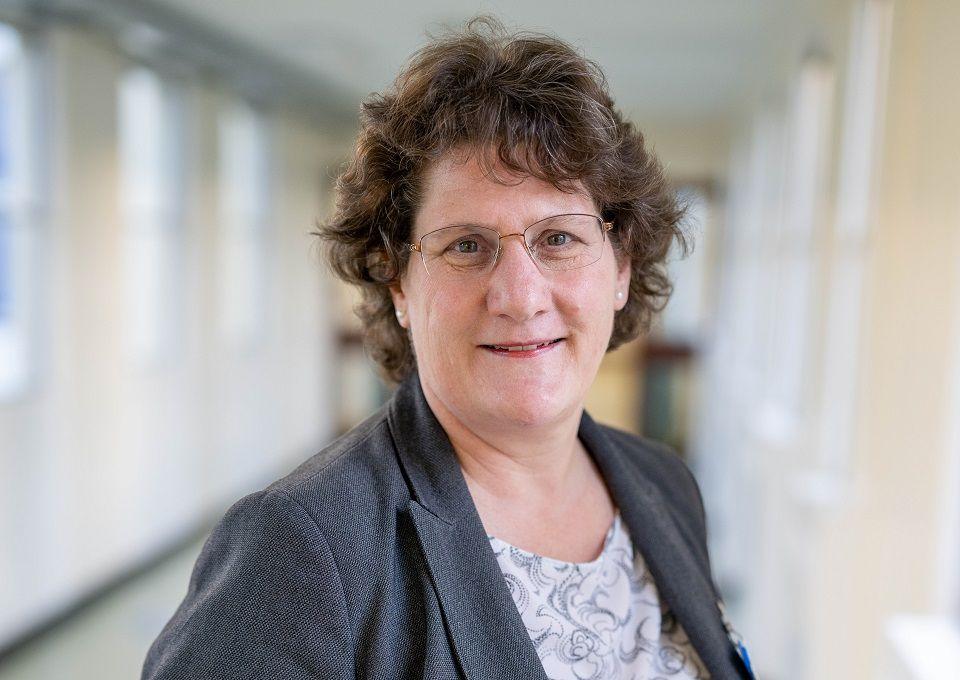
519	351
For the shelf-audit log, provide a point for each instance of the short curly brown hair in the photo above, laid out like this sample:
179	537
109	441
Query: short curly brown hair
542	110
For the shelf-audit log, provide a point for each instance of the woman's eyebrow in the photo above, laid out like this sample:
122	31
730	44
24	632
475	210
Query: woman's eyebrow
468	224
491	225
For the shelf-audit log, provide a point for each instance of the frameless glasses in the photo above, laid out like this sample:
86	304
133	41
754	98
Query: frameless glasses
559	242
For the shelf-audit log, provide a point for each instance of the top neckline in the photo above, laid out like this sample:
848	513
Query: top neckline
608	541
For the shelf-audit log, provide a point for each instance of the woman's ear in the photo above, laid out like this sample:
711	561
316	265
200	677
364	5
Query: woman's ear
623	284
399	303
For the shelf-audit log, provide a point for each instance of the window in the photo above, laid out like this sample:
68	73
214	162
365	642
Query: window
863	108
793	255
151	160
244	158
17	214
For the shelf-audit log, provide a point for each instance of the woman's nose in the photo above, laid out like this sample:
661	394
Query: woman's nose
517	288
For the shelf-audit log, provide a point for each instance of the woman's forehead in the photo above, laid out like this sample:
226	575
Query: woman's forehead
461	187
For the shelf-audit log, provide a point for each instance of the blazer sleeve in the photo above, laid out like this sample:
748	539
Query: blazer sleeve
265	601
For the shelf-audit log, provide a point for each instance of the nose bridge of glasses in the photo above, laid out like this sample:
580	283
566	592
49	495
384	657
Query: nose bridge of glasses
523	244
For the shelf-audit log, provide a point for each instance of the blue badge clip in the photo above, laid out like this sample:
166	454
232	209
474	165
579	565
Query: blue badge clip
741	648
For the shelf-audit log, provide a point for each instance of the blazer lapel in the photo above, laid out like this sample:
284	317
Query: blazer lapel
680	577
488	636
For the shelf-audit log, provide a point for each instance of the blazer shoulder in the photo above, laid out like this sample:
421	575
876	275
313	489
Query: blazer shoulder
357	475
263	579
369	438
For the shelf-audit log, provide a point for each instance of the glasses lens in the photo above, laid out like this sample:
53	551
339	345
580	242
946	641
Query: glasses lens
461	250
566	241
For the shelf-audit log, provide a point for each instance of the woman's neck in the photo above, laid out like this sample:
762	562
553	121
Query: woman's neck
537	489
510	462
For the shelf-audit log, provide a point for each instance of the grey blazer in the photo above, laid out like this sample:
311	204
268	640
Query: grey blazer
370	561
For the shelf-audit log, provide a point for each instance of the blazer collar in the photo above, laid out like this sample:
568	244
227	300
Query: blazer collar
488	634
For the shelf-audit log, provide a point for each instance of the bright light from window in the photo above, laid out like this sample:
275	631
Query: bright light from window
15	238
244	206
150	157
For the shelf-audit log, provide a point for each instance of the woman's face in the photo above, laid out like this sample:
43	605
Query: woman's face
455	323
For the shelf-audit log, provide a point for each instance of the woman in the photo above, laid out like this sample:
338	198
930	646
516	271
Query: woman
507	228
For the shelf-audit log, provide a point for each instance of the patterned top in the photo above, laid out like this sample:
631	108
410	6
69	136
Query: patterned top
599	619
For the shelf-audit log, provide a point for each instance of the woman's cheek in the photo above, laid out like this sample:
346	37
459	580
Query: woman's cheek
443	332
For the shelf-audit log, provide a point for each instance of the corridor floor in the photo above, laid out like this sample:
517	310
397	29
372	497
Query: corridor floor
109	639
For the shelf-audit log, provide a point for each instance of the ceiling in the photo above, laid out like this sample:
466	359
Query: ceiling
679	59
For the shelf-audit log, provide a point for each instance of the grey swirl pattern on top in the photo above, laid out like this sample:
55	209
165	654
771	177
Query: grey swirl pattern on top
598	620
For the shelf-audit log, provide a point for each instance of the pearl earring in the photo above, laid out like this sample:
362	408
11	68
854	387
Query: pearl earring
619	294
399	314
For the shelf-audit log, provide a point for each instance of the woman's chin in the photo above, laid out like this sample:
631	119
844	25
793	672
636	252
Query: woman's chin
513	398
531	406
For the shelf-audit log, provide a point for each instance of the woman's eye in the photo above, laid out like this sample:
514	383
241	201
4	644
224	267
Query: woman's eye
466	247
558	239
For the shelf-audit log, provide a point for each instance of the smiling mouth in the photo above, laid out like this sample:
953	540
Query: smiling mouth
522	348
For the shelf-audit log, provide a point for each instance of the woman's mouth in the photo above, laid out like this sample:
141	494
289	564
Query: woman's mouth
523	350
